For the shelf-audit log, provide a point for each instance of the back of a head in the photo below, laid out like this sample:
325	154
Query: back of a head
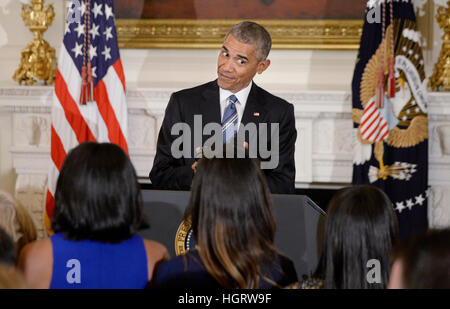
16	221
7	248
425	260
360	226
28	231
8	219
232	219
97	195
252	33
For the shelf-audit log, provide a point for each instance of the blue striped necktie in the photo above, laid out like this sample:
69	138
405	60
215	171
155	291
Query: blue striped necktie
230	119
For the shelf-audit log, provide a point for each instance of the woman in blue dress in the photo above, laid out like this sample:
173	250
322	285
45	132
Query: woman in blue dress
97	213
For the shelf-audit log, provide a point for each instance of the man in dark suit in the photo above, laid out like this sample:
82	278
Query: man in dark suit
234	101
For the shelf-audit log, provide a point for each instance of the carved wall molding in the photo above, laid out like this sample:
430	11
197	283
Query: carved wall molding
440	212
207	34
24	91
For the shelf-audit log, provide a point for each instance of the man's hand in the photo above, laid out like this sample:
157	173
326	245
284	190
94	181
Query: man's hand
194	167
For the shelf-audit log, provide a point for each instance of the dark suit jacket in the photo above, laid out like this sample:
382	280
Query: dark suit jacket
176	174
188	271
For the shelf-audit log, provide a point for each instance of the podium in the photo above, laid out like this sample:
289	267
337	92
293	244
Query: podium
299	224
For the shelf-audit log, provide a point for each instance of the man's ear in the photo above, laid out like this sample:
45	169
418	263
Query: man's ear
263	65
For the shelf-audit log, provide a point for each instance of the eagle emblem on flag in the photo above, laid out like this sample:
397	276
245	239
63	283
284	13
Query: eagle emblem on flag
402	120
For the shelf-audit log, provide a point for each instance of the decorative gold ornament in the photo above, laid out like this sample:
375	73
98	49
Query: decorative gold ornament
440	80
209	33
38	61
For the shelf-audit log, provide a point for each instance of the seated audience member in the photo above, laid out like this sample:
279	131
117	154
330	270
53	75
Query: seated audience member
360	226
97	213
422	262
233	225
16	221
10	278
7	249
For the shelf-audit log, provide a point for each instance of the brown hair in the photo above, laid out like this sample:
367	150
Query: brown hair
27	227
425	260
233	221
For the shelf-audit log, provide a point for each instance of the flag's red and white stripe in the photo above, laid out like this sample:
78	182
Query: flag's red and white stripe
72	123
374	127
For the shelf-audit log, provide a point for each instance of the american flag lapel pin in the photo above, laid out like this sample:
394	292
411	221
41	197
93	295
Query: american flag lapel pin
256	114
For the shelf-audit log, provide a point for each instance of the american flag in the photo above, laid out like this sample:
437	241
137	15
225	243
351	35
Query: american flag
104	119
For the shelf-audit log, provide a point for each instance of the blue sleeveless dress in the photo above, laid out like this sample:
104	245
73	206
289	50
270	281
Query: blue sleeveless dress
90	264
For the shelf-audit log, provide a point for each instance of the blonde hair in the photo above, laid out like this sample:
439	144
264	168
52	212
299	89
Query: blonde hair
16	221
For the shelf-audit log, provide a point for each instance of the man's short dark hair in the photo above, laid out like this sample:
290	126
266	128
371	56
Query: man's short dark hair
252	33
97	195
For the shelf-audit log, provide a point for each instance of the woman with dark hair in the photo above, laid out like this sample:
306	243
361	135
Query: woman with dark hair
422	261
97	213
360	230
7	249
233	225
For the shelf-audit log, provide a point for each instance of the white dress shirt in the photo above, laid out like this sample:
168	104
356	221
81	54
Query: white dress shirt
241	95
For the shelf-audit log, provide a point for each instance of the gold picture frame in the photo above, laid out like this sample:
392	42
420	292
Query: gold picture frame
324	34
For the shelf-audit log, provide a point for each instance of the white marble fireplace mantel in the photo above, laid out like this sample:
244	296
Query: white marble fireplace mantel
323	149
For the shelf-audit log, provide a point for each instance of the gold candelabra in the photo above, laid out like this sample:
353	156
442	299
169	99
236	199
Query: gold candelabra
38	60
440	80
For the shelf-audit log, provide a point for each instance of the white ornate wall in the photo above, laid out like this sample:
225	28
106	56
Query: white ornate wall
323	149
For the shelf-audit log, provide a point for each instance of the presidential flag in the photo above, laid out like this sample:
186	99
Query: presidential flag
89	97
390	111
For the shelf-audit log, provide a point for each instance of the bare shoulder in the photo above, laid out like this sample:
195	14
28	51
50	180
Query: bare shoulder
155	250
39	249
36	262
156	253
